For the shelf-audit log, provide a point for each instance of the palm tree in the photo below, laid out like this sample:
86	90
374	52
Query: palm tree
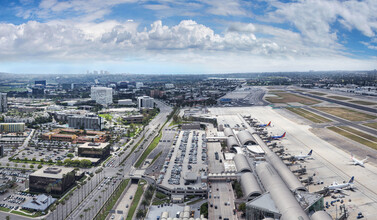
81	216
140	214
144	203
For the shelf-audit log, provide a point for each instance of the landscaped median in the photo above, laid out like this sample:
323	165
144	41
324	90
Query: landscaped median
112	200
150	148
135	201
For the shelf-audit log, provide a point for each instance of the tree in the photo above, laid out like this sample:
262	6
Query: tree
32	166
242	207
85	163
67	162
40	166
144	203
70	155
8	164
23	166
140	214
7	217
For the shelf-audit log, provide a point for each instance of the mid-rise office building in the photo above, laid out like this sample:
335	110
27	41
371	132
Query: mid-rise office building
3	102
145	102
94	150
12	127
52	180
125	102
102	95
87	122
139	85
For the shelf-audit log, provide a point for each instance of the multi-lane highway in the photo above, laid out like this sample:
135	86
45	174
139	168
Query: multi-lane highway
121	163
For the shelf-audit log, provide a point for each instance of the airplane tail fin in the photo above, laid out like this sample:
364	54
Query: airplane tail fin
310	152
351	180
283	135
269	123
365	160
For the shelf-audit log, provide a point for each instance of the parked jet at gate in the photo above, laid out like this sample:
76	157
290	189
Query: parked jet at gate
339	187
358	162
302	157
264	125
278	137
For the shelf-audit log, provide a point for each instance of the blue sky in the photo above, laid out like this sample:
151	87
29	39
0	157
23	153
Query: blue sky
179	36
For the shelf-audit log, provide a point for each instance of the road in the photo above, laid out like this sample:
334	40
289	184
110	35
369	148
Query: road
164	145
149	132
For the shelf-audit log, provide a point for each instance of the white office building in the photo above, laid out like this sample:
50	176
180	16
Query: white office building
3	102
87	122
169	85
102	95
125	102
145	102
139	85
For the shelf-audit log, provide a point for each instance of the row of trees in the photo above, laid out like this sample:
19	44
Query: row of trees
148	195
84	163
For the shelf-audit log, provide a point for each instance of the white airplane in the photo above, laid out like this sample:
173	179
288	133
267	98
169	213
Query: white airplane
359	162
339	187
302	157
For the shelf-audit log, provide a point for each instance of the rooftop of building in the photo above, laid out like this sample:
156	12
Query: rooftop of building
91	145
52	172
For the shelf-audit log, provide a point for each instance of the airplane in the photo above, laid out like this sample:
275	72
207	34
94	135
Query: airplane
264	125
358	162
339	187
302	157
278	137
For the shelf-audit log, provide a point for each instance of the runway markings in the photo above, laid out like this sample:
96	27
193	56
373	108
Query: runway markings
354	136
309	115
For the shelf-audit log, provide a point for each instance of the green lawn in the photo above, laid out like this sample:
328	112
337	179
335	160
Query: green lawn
4	209
155	158
135	201
354	137
151	147
113	199
35	214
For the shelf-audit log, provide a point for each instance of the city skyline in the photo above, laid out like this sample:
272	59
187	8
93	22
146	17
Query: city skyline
130	36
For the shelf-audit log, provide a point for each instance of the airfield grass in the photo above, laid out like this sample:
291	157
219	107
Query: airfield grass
345	113
309	115
371	125
360	102
338	97
318	93
284	97
357	132
353	137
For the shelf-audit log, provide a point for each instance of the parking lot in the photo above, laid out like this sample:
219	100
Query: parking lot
12	184
188	156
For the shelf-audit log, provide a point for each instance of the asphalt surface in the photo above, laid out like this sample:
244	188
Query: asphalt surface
360	107
342	121
162	146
